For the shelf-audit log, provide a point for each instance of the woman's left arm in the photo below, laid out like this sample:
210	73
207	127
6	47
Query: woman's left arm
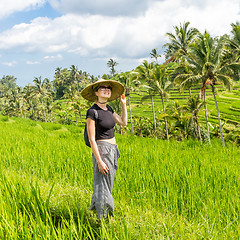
121	120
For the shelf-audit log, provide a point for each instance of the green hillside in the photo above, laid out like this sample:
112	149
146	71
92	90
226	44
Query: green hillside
229	104
163	190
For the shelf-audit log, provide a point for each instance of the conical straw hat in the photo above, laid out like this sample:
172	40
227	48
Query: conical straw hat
89	92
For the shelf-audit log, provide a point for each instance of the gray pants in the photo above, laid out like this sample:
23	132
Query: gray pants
102	199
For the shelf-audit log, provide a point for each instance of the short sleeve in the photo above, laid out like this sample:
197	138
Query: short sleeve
91	114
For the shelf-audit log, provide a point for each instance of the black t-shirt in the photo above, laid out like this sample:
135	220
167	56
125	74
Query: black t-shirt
104	123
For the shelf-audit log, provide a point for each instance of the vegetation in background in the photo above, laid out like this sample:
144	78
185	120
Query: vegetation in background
193	62
163	189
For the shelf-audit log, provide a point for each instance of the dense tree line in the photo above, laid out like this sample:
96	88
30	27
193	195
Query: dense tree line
192	59
44	100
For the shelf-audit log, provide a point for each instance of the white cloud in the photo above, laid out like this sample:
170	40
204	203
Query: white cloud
8	7
215	16
10	64
45	59
79	50
123	36
65	33
102	7
53	58
40	35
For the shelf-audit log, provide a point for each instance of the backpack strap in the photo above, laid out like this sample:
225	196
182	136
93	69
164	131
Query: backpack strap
86	139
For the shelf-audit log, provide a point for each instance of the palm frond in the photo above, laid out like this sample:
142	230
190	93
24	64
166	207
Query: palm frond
146	97
226	80
191	81
234	66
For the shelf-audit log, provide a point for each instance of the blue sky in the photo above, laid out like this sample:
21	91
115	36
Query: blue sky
37	36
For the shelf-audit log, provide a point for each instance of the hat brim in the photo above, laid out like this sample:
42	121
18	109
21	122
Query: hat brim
89	92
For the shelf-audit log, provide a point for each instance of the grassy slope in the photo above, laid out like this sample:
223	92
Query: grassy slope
162	190
229	104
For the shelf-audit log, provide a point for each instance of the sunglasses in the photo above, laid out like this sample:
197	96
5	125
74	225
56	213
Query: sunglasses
103	88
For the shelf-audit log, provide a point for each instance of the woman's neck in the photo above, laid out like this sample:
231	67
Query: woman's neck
102	104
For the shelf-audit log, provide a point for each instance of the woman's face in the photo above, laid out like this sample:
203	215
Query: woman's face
104	91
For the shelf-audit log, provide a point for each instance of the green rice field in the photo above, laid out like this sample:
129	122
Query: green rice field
228	101
163	190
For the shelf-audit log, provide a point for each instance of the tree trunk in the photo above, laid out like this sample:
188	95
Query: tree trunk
51	119
44	112
195	126
165	118
190	92
199	131
130	112
206	115
76	119
80	114
20	107
31	108
219	119
77	87
154	118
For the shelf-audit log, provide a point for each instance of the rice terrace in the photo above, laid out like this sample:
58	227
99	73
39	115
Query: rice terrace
179	175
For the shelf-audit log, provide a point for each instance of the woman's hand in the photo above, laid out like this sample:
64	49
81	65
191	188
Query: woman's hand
103	168
123	99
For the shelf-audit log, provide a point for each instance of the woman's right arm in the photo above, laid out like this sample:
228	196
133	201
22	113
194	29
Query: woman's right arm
102	166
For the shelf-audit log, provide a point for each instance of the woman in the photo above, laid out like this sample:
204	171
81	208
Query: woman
101	120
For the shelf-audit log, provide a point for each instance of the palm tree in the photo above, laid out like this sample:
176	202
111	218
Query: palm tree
145	74
70	93
233	45
162	84
194	105
8	81
42	89
235	40
58	82
74	74
62	80
155	55
158	79
2	90
150	95
181	128
206	116
209	66
112	64
180	42
16	101
50	106
82	78
6	97
28	94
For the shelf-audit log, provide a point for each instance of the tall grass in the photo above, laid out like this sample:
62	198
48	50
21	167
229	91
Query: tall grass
163	190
